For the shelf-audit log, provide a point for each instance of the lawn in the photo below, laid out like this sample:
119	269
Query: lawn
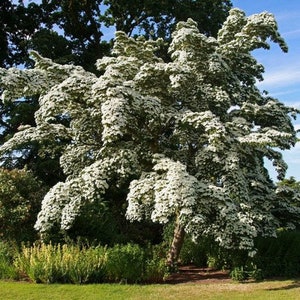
272	290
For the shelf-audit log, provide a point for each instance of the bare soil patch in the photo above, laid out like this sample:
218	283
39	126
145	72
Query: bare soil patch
193	274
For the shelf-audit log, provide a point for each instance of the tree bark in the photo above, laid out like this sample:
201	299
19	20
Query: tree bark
174	251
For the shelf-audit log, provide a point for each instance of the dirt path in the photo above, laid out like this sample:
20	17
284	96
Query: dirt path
192	274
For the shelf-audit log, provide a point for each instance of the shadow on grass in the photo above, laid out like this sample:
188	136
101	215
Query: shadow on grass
294	285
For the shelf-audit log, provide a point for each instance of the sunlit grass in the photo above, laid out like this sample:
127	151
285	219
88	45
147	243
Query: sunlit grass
273	290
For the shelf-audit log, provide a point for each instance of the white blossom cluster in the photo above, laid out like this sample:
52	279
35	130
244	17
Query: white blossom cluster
187	137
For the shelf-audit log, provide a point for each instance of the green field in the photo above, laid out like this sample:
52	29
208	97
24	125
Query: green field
272	290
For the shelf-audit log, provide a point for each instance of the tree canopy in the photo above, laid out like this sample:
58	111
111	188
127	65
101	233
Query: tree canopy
184	140
158	18
71	32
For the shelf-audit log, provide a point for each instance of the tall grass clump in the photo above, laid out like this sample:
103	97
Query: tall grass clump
78	264
62	263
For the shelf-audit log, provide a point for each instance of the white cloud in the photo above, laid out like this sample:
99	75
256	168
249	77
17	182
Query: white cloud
297	127
287	15
291	34
284	92
280	78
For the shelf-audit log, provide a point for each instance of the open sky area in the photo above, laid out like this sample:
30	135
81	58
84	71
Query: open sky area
282	70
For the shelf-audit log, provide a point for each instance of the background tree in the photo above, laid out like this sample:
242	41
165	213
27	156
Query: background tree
184	141
290	183
23	29
157	18
80	23
288	191
18	25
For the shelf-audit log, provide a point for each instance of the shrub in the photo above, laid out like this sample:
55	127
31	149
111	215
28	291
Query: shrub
275	257
88	266
125	263
7	269
156	269
245	273
20	200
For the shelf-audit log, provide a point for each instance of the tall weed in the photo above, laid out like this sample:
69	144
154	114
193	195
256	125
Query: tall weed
78	264
62	263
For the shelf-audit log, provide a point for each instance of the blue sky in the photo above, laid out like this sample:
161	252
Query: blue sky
282	70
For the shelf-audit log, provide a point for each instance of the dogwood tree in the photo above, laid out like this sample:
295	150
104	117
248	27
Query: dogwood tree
187	139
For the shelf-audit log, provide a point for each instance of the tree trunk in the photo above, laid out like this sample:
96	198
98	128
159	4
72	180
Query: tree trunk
178	239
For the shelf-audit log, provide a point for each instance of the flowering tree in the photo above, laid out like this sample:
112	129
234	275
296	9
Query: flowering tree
187	139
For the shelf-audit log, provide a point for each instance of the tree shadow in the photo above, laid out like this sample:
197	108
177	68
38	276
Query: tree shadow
294	285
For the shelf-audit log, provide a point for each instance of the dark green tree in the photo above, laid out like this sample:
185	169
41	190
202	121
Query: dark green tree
80	24
17	25
157	18
288	191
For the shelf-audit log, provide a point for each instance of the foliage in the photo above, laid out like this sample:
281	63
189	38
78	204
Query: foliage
131	264
288	191
290	182
81	35
20	201
17	24
194	253
183	140
80	40
281	256
155	268
276	257
287	205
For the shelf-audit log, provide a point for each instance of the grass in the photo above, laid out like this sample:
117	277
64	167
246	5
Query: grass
267	290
